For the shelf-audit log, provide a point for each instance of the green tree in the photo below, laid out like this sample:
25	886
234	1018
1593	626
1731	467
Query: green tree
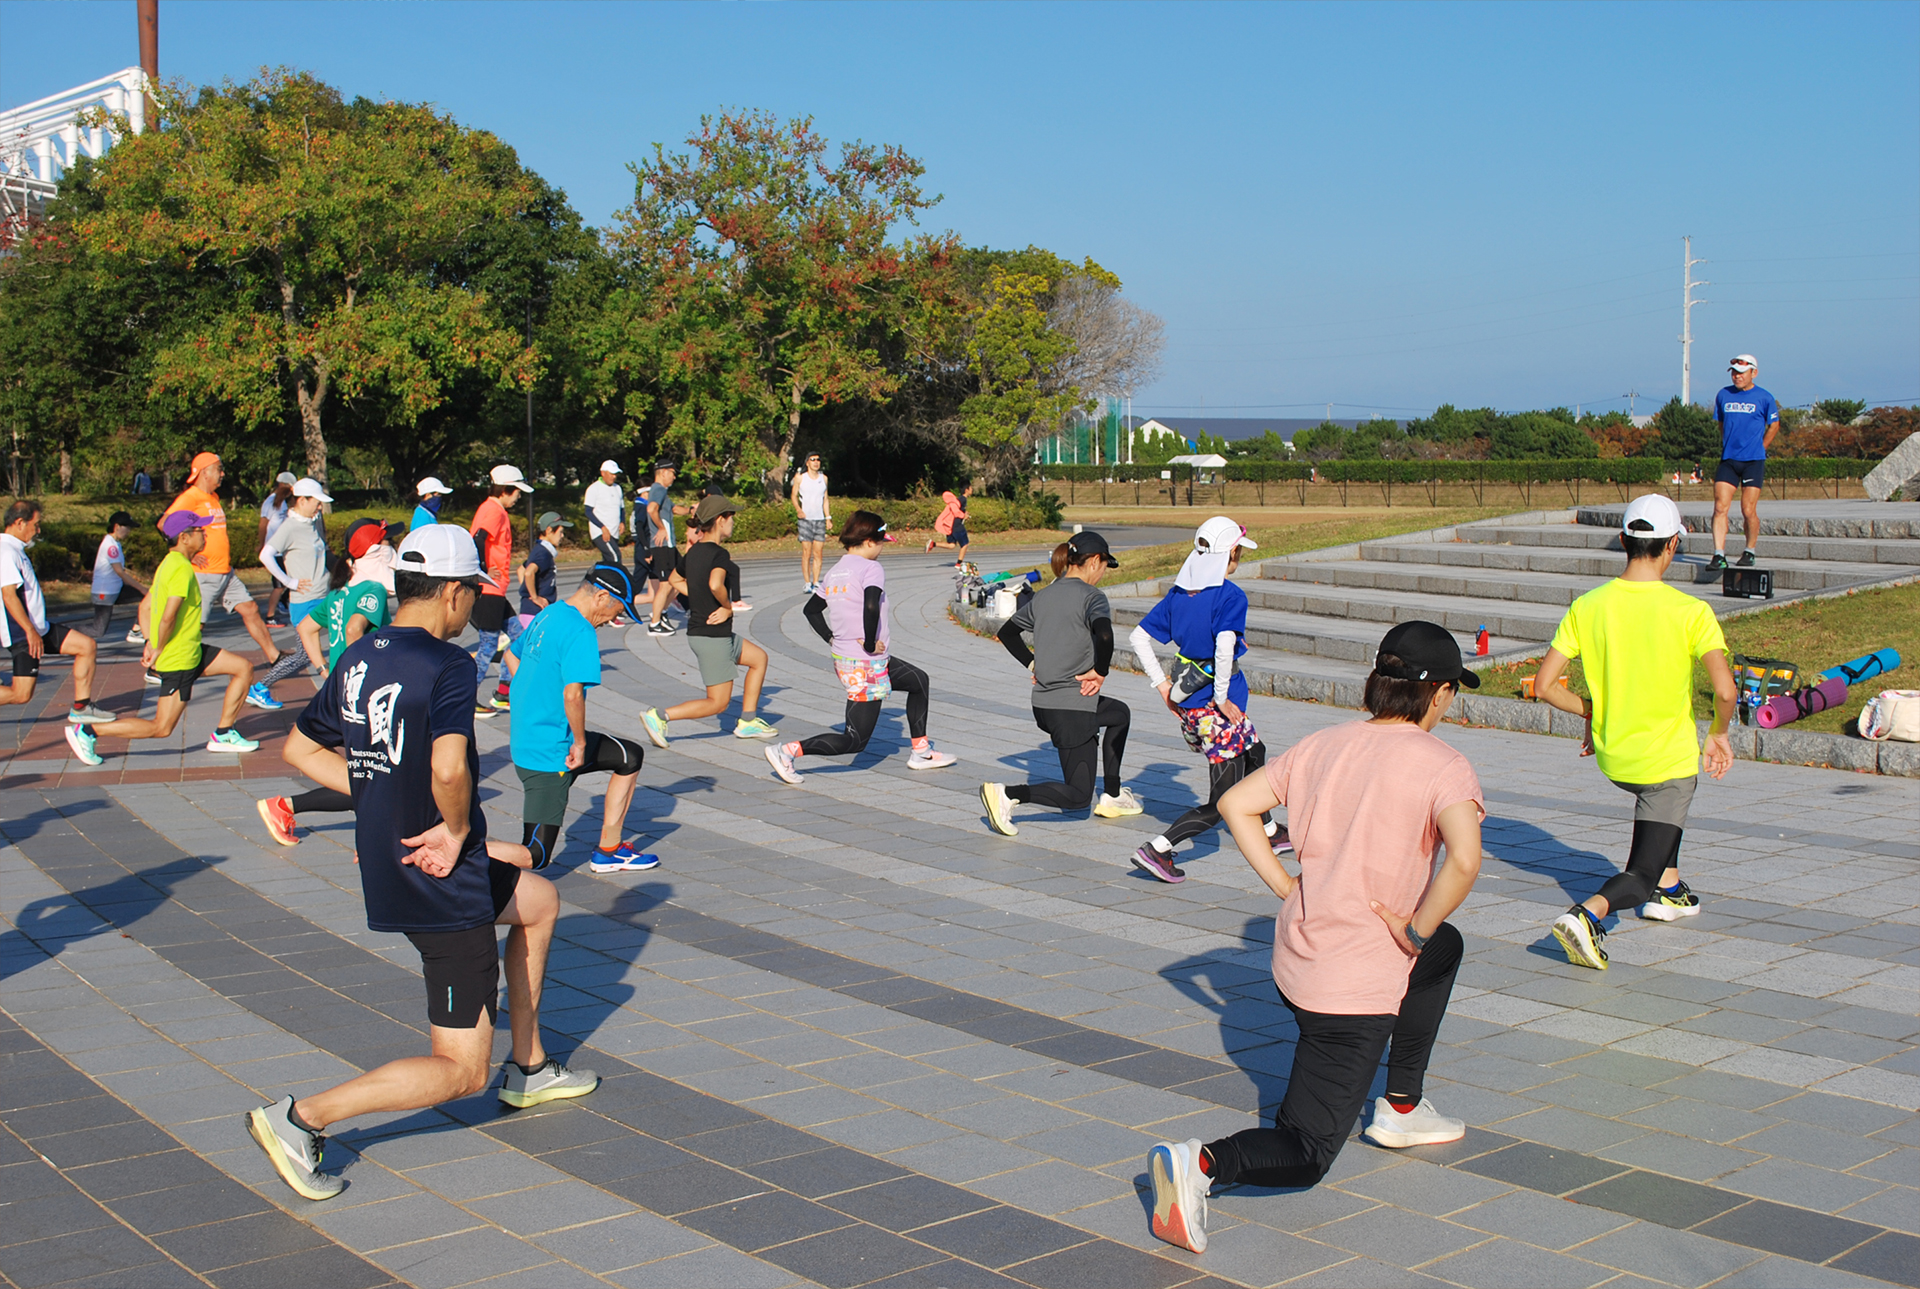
1526	435
323	215
1450	424
1323	442
1013	352
1686	432
1839	411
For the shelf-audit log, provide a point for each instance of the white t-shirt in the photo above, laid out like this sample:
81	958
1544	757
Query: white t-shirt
17	570
605	502
813	495
106	582
275	513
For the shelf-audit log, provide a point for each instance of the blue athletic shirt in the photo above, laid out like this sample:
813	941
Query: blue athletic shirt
545	579
1189	621
1744	415
393	693
558	648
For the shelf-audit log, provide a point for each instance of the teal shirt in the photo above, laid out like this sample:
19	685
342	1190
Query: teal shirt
363	599
558	648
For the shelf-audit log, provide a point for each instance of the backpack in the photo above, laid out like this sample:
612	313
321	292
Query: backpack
1892	713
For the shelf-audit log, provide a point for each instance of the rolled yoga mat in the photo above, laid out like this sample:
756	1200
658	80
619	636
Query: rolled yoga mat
1865	667
1782	709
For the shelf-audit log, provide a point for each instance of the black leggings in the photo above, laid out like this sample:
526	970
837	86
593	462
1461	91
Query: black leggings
1656	847
1076	737
863	716
1333	1072
322	801
609	553
1221	775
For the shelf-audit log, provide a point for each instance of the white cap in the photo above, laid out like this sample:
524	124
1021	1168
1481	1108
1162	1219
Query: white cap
438	550
1744	360
610	467
1213	547
432	487
285	476
504	474
310	488
1653	515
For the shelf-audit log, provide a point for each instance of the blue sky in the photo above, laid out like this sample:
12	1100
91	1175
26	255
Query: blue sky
1382	206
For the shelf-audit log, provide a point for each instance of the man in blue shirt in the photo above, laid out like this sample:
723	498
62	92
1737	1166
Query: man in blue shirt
1749	418
393	726
555	659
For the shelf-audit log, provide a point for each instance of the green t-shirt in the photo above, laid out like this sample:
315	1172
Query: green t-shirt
1640	641
362	599
175	577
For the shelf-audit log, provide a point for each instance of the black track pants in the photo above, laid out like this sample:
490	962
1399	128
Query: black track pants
1332	1072
863	716
1076	737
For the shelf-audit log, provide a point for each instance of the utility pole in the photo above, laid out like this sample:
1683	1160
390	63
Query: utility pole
1686	317
536	535
150	55
1630	395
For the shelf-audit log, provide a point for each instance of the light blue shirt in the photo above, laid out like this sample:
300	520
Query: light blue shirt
558	648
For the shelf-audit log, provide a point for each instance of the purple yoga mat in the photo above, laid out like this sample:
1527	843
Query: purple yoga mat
1784	708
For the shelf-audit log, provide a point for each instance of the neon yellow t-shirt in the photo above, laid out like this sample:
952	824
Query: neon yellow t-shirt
175	577
1640	641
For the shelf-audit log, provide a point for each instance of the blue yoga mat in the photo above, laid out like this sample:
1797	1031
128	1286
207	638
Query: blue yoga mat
1865	667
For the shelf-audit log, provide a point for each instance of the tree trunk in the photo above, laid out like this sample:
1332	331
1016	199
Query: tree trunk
775	480
311	395
66	466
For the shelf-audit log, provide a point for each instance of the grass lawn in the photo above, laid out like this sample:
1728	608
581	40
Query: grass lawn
1816	634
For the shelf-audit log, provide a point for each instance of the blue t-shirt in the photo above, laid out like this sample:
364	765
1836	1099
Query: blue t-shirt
1744	415
1189	621
393	693
545	583
422	517
558	648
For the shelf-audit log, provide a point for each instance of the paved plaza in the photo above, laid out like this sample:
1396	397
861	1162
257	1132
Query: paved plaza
851	1037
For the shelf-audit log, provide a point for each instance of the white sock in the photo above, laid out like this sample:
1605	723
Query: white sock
1162	845
1273	828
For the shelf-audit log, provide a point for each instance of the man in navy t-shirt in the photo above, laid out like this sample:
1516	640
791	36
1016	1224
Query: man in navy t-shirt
393	726
1749	418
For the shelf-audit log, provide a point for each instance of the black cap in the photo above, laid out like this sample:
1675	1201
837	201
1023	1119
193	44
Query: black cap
1085	543
615	581
665	463
1427	651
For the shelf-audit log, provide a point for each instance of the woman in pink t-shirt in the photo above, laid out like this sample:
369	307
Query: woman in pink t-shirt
848	610
1362	951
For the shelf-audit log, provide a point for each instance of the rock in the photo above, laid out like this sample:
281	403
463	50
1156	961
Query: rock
1797	747
1898	477
1900	758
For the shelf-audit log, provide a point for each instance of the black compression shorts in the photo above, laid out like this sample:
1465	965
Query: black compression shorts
24	663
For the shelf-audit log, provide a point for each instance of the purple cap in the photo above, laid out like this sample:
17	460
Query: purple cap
179	521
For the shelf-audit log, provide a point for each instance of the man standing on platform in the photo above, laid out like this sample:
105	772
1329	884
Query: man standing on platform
1749	419
220	587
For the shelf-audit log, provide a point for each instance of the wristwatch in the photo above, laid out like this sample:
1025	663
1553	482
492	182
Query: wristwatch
1414	938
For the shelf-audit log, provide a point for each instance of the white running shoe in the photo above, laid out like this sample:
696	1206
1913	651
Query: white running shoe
1420	1126
295	1152
551	1082
656	726
1585	944
1179	1194
928	759
136	636
782	762
999	808
1118	807
81	740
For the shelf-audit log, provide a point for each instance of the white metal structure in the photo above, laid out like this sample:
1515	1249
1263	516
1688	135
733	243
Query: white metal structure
1686	317
38	141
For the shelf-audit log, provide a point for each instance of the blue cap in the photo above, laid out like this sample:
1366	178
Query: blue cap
615	581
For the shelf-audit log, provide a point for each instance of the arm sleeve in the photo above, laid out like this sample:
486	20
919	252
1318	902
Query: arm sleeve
1143	650
271	559
1102	631
1010	637
482	538
1223	646
870	619
816	614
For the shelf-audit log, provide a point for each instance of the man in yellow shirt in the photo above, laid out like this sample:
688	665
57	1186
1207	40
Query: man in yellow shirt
174	651
1641	638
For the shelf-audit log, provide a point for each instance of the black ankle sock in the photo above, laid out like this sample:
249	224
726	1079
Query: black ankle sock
1020	793
293	1117
222	729
532	1069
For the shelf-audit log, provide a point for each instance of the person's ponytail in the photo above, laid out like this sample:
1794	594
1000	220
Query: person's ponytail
1062	560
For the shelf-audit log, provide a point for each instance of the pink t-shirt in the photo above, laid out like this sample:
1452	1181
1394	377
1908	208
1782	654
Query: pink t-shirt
844	588
1363	804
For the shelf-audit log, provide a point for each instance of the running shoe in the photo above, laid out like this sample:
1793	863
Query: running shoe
483	711
501	703
999	807
258	695
295	1152
927	758
754	727
89	714
930	542
622	859
1671	906
1582	938
782	762
1179	1194
153	678
1281	842
1118	807
1157	864
231	741
1718	562
660	628
741	606
81	740
136	636
1745	560
551	1082
277	814
656	726
1420	1126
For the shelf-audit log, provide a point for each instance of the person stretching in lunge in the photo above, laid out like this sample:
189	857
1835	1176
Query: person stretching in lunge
394	726
1072	651
555	659
25	632
1362	951
1205	618
221	590
711	585
849	611
1640	639
112	584
173	651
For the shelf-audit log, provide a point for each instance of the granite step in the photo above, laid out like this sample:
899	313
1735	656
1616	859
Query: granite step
1847	550
1355	636
1544	574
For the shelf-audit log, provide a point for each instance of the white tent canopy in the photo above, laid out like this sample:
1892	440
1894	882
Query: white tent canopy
1200	461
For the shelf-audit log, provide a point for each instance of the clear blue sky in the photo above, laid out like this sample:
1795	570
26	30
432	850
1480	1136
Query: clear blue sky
1382	206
